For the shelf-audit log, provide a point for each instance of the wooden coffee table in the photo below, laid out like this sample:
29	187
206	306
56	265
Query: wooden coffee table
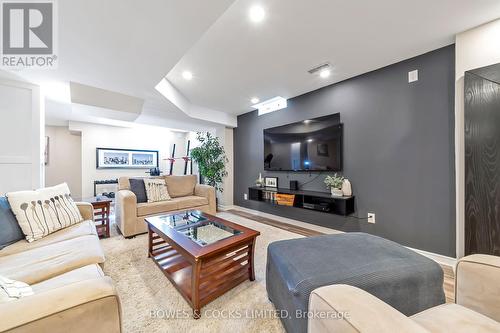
202	255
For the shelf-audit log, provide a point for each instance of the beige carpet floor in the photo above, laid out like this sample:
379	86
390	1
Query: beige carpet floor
144	289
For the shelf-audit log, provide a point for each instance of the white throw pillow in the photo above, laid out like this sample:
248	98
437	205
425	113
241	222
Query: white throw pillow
44	211
156	190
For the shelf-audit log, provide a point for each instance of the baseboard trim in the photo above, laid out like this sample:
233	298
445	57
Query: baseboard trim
439	258
227	207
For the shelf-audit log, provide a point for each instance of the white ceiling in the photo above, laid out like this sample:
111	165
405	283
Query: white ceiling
237	59
128	46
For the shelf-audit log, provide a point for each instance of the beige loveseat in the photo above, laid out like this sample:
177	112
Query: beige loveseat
71	293
476	309
184	191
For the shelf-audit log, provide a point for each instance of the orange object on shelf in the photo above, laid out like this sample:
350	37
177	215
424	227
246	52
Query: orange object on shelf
285	199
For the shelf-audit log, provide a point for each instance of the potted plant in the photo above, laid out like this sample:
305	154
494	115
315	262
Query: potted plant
335	184
211	159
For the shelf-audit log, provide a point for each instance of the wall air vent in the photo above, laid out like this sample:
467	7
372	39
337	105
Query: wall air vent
318	69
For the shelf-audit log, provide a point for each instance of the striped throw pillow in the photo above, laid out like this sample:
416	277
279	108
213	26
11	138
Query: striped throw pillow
156	190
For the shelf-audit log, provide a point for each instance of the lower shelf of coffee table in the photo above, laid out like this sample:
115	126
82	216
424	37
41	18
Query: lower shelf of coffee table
217	275
177	269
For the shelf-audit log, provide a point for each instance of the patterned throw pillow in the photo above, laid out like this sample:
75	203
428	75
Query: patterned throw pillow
156	190
44	211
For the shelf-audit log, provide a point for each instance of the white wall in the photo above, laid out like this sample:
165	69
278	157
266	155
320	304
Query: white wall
229	180
21	133
136	137
191	136
65	159
225	136
475	48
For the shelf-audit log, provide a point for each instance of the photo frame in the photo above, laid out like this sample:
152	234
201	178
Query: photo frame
115	158
322	149
271	182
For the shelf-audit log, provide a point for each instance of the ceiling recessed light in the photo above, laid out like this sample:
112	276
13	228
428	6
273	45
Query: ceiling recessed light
257	14
309	140
324	73
255	100
307	121
187	75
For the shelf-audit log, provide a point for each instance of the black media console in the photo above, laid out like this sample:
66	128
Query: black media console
319	201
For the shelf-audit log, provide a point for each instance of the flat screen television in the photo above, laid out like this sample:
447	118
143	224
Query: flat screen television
308	145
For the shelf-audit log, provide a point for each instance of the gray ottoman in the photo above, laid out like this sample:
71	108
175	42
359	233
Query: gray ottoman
400	277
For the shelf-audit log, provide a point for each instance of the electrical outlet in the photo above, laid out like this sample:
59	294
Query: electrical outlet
371	217
245	196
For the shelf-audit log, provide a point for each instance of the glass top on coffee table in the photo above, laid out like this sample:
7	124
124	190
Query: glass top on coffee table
177	221
197	227
208	232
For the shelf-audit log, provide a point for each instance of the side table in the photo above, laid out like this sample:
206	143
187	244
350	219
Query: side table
102	208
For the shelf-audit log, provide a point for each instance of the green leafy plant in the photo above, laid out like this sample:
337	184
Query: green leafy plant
334	181
211	159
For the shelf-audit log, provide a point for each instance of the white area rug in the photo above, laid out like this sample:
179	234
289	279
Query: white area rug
144	289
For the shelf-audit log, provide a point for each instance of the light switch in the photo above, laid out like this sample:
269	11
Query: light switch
413	76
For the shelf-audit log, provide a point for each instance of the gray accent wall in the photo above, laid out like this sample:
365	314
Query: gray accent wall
398	152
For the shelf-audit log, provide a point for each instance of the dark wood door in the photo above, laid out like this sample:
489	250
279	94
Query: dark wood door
482	161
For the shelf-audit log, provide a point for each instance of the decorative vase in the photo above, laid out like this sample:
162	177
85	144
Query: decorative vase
347	188
336	192
260	181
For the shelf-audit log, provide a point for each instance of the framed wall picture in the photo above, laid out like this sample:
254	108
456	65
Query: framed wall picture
271	181
113	158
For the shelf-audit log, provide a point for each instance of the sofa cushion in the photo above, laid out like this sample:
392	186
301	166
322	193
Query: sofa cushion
151	208
190	201
81	229
41	212
137	186
81	307
80	274
180	186
10	232
45	262
455	318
